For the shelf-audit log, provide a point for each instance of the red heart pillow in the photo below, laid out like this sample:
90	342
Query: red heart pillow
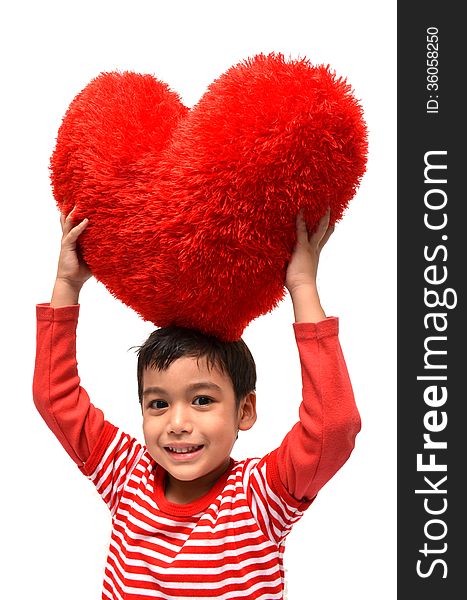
192	212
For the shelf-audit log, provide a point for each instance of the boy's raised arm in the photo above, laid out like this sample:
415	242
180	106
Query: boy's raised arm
58	396
320	443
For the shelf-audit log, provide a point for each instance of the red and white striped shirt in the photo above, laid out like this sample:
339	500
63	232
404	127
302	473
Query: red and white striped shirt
229	543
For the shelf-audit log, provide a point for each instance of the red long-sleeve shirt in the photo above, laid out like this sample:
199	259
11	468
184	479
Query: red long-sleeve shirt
230	542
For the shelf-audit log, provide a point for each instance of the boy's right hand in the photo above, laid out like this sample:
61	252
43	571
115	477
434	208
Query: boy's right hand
72	271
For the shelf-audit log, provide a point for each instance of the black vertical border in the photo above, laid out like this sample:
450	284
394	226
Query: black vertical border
419	132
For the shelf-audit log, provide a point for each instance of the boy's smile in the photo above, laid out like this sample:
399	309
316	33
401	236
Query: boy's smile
190	424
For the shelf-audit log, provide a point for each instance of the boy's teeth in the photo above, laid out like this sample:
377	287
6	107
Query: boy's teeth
184	450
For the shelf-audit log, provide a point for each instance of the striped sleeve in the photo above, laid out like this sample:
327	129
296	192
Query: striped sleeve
112	464
273	507
280	486
101	451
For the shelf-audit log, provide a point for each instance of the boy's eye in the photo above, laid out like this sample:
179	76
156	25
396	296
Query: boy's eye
158	404
202	401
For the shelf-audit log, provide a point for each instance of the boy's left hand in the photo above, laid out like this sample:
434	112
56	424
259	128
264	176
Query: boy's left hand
303	265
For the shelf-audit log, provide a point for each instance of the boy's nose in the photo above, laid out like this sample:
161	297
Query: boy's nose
179	421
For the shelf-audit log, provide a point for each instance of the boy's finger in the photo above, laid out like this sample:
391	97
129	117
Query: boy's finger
69	221
325	219
74	233
69	216
77	229
302	230
322	227
326	236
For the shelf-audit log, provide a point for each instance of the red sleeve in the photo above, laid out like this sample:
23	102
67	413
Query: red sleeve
321	442
62	402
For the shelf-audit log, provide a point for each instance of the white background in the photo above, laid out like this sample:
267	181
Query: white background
55	528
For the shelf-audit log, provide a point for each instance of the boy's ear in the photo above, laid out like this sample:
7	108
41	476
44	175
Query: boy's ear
247	412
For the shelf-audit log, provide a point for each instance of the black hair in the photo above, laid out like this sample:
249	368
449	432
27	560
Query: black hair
167	344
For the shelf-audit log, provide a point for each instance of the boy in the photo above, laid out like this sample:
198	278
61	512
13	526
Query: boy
187	520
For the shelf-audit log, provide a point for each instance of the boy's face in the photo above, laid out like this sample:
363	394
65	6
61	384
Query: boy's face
191	421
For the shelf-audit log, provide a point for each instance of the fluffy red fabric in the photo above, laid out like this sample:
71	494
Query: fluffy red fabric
192	212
